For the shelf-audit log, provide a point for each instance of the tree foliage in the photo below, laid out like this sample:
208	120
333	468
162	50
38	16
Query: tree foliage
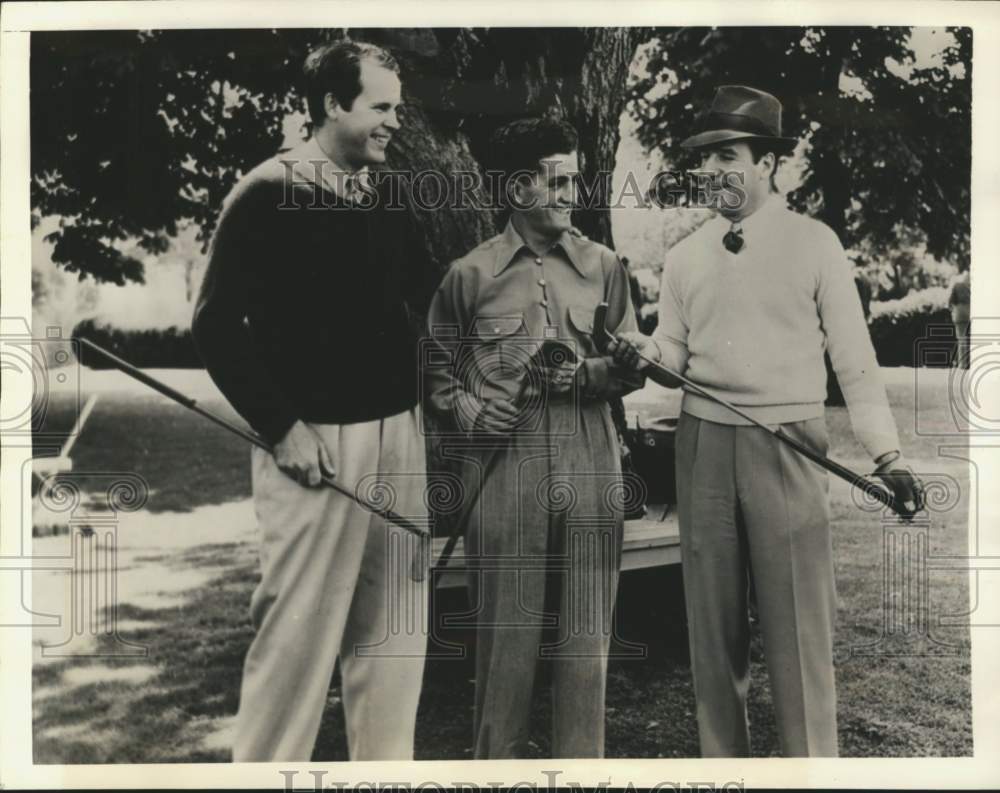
889	137
134	132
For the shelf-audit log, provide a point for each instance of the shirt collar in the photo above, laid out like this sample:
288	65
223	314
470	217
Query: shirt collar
329	175
511	243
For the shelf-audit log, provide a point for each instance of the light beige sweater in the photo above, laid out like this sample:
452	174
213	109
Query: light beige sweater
752	326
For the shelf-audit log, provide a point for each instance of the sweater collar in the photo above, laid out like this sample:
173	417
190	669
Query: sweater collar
309	162
763	217
760	224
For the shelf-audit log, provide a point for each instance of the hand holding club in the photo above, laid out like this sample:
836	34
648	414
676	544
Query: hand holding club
905	485
303	455
498	417
560	378
633	350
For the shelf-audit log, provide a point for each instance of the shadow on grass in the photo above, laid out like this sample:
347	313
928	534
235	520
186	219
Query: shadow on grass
911	698
196	651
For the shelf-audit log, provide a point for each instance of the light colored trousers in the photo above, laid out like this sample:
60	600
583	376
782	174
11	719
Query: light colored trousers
747	501
336	581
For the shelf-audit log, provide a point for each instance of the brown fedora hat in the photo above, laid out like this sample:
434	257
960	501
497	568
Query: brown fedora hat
739	112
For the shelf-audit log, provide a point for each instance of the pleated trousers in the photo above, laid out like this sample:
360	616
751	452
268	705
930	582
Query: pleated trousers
747	502
335	583
544	548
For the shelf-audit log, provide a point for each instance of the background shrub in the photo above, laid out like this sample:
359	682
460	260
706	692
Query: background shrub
162	348
896	326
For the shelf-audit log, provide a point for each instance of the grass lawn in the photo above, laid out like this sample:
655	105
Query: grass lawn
187	461
903	692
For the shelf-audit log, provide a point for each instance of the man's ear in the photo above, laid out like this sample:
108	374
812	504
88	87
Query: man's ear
766	164
518	193
331	106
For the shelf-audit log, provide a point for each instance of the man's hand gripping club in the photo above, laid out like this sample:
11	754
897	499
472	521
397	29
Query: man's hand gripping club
905	493
303	455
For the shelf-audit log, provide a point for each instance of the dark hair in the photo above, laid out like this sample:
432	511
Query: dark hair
758	148
521	145
336	69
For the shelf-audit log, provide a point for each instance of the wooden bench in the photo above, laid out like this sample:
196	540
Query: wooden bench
652	541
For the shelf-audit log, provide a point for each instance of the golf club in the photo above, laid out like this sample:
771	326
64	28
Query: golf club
551	353
602	336
247	435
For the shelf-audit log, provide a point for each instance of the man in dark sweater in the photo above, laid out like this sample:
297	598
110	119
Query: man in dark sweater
303	325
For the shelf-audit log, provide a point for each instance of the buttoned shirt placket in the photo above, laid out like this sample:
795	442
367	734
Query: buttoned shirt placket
551	330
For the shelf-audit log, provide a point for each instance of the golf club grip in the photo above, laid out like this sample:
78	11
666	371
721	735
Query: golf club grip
600	331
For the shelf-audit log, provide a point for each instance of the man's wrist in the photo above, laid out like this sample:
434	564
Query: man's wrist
467	411
593	376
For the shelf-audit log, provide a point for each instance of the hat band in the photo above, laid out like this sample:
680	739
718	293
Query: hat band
739	123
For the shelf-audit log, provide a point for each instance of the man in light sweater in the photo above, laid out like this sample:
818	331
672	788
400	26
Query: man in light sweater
748	304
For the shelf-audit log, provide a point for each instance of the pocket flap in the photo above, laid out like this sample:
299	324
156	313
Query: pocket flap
582	318
498	327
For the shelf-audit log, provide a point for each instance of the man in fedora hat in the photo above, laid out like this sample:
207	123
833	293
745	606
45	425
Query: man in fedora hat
748	304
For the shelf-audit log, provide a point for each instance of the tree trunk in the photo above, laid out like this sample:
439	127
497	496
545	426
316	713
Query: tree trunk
461	84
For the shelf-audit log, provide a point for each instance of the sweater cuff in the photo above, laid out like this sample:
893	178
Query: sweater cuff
276	427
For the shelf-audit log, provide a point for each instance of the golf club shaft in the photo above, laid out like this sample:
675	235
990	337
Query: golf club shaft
857	480
459	525
879	493
251	437
78	426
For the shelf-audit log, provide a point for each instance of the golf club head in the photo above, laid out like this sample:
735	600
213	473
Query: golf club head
44	468
554	352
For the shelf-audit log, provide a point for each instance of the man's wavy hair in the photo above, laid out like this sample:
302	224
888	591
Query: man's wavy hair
336	69
521	145
758	148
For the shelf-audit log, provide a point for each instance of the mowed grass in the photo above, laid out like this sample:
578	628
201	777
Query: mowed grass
903	677
185	460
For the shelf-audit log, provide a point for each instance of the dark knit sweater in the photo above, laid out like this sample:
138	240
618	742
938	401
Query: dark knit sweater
303	311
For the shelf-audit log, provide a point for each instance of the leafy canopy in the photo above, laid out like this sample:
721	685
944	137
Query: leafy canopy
889	135
134	132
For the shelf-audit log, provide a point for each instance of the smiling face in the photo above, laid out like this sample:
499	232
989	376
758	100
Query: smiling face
359	136
736	157
549	196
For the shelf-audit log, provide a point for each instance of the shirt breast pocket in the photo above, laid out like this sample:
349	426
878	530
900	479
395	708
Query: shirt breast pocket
581	320
502	344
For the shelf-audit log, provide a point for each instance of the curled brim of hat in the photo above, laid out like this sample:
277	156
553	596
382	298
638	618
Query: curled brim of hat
714	137
746	124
